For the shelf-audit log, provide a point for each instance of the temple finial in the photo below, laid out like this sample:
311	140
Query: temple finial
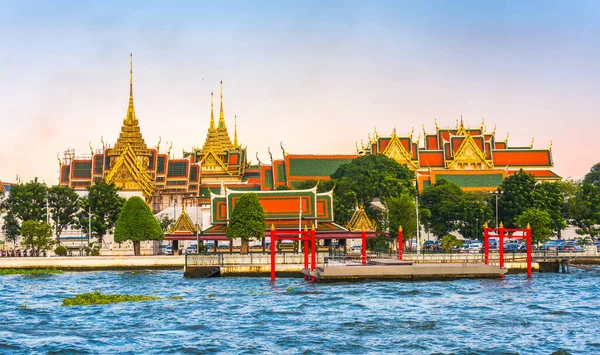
221	114
235	140
130	117
212	111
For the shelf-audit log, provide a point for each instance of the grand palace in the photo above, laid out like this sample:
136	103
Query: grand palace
471	157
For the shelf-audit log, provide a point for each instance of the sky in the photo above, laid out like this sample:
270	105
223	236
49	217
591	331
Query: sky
314	76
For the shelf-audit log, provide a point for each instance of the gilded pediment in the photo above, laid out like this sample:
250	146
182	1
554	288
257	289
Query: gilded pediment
212	164
395	150
128	173
360	221
470	156
183	224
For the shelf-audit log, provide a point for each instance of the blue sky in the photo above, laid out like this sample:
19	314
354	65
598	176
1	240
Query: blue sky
317	76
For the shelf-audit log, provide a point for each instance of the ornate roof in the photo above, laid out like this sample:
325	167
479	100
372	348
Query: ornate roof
217	139
128	173
130	130
360	221
184	224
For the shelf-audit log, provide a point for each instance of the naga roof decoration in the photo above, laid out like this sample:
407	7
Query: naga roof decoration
360	221
130	130
128	173
184	224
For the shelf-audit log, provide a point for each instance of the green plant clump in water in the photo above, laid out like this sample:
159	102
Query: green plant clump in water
29	271
88	299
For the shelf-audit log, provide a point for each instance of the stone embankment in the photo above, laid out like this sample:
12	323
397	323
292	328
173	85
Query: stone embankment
94	262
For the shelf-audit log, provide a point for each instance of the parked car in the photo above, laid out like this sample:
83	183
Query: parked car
512	248
191	249
429	245
571	246
168	250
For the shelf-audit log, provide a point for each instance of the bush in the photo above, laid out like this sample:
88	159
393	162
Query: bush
60	250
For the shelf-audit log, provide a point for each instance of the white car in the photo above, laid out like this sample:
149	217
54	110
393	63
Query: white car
474	248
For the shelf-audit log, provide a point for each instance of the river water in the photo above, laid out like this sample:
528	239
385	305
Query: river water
551	313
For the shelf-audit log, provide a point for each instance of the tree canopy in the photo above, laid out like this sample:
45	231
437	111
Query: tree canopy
136	223
105	204
402	212
365	178
444	200
64	206
540	223
27	202
247	220
37	236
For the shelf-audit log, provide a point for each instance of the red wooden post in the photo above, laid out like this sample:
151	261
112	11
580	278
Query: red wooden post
364	247
501	245
272	252
313	251
528	250
305	243
486	244
400	243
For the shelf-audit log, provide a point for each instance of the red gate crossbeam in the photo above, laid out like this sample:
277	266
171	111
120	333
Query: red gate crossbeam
306	237
502	233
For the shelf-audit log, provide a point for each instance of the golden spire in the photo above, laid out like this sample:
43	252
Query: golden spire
130	111
212	111
221	114
235	140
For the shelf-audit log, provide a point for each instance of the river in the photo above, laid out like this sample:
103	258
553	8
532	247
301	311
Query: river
550	313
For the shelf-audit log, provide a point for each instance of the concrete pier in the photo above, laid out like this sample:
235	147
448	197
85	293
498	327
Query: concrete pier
405	271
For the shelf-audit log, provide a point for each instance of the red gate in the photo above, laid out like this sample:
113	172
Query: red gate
506	233
304	236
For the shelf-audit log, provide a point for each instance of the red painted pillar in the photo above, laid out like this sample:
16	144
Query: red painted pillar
400	243
501	244
364	247
305	237
313	251
486	244
528	250
272	252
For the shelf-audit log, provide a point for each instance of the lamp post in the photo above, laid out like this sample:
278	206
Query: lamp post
496	193
418	225
90	225
197	225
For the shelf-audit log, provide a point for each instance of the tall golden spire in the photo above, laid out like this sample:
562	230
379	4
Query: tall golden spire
130	117
212	111
221	114
235	140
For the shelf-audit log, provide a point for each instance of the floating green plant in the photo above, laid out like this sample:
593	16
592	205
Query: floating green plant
29	271
87	299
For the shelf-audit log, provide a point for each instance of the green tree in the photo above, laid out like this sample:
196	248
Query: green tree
27	202
37	236
584	209
449	241
445	201
137	223
166	222
105	205
540	223
64	206
402	212
474	213
593	176
365	178
550	197
11	228
517	196
247	221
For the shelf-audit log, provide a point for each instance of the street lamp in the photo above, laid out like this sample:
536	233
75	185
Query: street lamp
175	209
196	199
496	193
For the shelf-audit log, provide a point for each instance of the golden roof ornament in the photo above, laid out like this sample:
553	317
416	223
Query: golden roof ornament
212	111
437	128
91	149
221	114
531	144
482	124
550	147
506	139
235	139
424	132
158	144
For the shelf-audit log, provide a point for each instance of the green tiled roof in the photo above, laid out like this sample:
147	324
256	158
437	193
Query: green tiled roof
482	180
82	169
281	173
315	166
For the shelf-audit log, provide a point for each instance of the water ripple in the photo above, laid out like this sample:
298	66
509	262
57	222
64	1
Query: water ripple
550	314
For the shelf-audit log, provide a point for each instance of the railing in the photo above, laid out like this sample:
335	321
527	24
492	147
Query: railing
335	257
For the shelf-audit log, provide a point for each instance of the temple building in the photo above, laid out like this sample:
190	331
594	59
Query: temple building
470	157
